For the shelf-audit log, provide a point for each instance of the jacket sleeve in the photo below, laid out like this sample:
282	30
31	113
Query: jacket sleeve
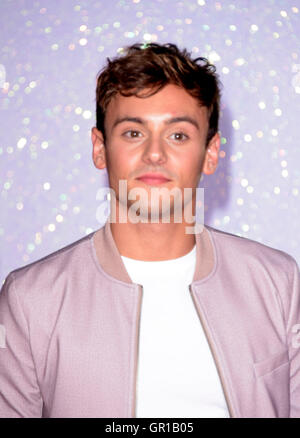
293	338
19	391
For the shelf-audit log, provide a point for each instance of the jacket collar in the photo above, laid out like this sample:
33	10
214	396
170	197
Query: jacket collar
111	261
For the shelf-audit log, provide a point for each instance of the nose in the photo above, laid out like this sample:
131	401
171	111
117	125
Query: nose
154	152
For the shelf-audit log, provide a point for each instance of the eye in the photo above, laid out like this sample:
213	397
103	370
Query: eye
179	136
132	134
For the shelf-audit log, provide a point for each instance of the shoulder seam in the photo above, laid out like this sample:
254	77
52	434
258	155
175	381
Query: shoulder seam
55	254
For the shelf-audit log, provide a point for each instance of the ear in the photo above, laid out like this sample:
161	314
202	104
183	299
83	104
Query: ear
211	155
99	157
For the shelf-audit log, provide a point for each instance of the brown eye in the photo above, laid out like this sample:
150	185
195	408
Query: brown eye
179	136
132	134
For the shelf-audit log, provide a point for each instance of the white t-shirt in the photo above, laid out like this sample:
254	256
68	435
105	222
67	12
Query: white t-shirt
176	374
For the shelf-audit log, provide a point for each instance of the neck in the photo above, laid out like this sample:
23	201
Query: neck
152	241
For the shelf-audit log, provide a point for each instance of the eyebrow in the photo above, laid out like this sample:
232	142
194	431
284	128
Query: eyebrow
167	122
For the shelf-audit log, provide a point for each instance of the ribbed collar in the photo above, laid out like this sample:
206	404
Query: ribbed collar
111	261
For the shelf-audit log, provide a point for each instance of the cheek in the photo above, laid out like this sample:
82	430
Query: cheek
119	162
190	167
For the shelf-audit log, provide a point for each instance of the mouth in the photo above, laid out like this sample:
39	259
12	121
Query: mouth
153	179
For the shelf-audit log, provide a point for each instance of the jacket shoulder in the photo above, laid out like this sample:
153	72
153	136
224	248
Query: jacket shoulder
246	249
42	274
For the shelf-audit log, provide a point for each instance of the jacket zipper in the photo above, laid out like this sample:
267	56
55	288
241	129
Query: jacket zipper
137	331
140	287
230	408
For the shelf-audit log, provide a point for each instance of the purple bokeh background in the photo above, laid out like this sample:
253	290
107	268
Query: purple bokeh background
51	52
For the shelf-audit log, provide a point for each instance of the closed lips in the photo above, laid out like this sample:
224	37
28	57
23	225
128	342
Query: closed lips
153	176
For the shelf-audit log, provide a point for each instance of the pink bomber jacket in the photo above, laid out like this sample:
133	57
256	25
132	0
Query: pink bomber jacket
70	329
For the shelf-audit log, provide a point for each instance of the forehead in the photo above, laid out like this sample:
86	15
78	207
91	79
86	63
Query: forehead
170	101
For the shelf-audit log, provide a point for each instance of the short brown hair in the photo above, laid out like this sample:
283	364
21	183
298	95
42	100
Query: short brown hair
153	66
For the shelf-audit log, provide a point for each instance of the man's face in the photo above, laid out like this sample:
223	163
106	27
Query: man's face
163	133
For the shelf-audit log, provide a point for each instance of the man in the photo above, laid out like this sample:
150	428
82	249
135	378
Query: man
142	318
